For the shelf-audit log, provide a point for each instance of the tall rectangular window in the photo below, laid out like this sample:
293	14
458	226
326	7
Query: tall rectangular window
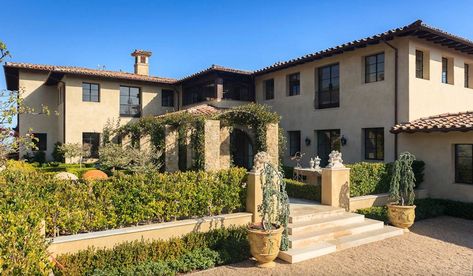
374	143
464	163
90	92
294	142
374	68
40	141
269	89
130	101
294	84
467	75
444	70
91	140
167	98
419	64
327	140
329	86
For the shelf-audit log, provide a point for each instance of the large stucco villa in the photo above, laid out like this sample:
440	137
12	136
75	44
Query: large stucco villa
407	89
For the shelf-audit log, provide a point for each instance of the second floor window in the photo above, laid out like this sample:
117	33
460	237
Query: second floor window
167	98
374	143
294	84
374	68
294	142
90	92
444	70
419	64
269	89
329	86
467	75
130	101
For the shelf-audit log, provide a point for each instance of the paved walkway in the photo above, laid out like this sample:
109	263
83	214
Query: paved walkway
439	246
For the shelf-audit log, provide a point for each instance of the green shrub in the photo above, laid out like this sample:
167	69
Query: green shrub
190	252
426	208
126	200
301	190
288	172
57	154
20	166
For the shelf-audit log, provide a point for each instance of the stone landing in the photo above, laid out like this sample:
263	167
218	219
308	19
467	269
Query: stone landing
316	230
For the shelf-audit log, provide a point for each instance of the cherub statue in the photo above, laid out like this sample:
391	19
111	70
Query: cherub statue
335	160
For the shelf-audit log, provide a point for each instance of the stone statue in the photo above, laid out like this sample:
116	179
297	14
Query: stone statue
335	160
317	163
312	164
260	159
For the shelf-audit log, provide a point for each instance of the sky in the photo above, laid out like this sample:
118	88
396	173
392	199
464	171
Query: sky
188	36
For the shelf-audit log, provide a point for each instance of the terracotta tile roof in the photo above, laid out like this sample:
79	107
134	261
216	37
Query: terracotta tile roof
89	72
200	109
217	68
417	28
462	121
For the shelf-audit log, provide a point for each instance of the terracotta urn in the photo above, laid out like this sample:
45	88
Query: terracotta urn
264	245
401	216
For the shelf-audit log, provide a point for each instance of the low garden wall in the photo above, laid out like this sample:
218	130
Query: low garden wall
368	201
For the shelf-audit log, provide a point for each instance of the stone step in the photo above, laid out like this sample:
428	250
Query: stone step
299	215
366	237
321	223
301	254
331	233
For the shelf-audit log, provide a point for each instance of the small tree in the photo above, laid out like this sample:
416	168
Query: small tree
144	161
113	156
403	180
73	151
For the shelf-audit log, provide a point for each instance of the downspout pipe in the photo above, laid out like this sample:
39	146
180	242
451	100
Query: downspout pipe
396	92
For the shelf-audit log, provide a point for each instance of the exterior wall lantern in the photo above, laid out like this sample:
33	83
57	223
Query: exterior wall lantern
343	140
307	141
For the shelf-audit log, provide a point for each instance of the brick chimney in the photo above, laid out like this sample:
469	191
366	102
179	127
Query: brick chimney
141	62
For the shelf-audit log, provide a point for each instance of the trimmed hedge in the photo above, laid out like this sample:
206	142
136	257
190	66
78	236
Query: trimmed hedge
179	255
301	190
426	208
125	200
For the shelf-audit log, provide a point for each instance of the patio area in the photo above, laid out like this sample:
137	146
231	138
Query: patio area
439	246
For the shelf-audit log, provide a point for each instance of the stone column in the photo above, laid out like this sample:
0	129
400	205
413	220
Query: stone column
272	143
254	196
212	145
225	158
189	154
171	149
145	142
336	187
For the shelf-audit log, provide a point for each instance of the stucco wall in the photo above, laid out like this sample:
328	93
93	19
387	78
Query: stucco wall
92	116
362	105
430	96
437	151
36	94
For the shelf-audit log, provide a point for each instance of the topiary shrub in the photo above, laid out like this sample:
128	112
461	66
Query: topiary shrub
94	175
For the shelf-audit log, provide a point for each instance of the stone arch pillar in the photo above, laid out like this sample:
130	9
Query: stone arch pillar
171	149
272	143
212	145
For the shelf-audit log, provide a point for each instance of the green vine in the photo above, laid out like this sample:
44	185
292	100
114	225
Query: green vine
403	180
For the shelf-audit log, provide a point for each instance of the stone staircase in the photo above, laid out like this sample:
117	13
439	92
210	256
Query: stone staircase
316	230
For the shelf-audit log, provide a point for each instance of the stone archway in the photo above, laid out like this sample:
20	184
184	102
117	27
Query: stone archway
241	149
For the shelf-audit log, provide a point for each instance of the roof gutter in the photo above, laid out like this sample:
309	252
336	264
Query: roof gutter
396	92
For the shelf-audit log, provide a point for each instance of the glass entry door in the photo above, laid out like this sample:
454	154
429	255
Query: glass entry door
327	140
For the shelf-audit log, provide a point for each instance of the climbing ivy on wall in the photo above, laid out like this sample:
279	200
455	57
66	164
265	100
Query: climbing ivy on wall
255	116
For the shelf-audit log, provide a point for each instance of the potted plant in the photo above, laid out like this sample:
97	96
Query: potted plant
401	209
269	235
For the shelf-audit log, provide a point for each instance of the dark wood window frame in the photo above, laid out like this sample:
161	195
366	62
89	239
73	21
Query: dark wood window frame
294	141
41	141
467	75
88	92
167	97
419	64
89	138
378	65
269	89
333	89
129	106
378	134
334	143
294	81
445	70
469	159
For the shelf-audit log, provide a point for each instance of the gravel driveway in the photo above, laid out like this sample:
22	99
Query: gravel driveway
439	246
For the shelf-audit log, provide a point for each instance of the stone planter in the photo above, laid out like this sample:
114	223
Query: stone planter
401	216
264	245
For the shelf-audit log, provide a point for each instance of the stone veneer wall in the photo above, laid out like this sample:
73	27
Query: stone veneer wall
171	149
212	145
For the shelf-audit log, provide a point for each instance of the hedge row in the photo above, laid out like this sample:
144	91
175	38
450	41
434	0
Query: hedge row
178	255
125	200
426	208
301	190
